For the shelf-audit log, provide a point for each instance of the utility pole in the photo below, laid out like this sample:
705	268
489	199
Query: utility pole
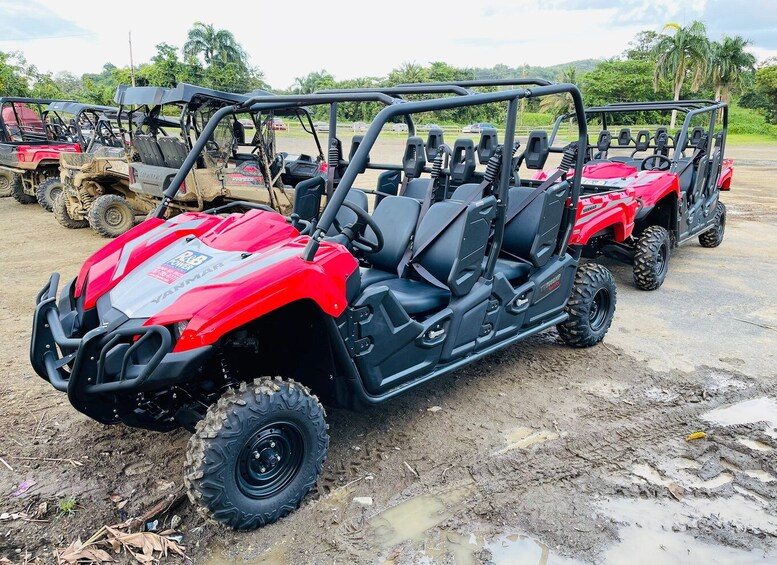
132	64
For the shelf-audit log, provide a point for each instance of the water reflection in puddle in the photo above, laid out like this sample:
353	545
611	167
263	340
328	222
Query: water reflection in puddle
750	411
516	549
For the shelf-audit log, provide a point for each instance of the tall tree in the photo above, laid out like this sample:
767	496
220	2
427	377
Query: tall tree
314	81
729	62
408	72
682	52
558	104
215	45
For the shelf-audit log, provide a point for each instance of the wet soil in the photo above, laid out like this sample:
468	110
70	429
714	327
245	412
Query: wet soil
538	454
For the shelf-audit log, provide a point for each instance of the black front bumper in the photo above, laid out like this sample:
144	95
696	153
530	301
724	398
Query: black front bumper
107	362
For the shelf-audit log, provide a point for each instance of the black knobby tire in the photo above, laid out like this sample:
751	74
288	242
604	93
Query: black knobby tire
111	215
63	216
228	473
590	307
17	191
714	236
47	192
7	182
651	258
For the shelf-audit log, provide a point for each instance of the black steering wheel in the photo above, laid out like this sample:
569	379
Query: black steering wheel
105	131
663	165
351	231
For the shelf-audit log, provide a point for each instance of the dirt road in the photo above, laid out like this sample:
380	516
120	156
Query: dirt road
539	454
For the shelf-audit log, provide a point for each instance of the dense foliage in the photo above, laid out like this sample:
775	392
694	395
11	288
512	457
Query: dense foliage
679	62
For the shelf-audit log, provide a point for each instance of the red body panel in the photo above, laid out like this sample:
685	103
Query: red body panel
215	309
38	153
726	174
598	212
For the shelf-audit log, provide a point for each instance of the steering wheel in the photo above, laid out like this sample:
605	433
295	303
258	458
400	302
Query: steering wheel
105	131
359	241
663	165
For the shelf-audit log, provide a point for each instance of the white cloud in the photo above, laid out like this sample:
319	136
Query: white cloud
353	38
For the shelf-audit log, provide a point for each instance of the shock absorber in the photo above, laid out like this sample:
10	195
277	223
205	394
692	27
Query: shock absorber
493	166
569	158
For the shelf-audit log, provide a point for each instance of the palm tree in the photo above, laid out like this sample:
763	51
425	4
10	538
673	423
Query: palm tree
408	72
215	45
314	81
682	51
560	103
729	61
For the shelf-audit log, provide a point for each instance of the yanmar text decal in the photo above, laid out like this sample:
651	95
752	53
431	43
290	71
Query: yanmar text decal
172	270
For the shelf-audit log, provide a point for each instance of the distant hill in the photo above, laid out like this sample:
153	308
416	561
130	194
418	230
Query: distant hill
548	73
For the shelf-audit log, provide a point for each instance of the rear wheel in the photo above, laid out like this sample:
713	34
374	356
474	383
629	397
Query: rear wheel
111	215
714	236
651	258
17	191
48	191
7	182
63	216
590	307
257	453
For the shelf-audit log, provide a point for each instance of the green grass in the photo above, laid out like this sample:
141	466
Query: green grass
750	139
67	506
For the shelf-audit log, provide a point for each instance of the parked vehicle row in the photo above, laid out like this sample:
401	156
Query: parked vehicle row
238	320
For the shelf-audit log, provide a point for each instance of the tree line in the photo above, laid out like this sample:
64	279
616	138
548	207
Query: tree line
677	62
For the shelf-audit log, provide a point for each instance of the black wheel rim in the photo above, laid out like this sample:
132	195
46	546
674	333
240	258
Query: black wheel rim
600	307
55	192
116	216
270	460
661	259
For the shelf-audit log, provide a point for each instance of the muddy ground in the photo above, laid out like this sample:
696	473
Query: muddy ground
539	454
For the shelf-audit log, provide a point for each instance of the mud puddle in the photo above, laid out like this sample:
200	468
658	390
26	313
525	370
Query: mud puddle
748	412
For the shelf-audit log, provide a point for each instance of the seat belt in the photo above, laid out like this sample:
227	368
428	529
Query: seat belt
413	252
550	181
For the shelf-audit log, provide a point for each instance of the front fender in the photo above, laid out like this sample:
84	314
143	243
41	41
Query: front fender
597	213
232	301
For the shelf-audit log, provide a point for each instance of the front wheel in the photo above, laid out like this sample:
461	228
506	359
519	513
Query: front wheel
257	453
651	258
48	191
590	308
111	215
62	215
714	236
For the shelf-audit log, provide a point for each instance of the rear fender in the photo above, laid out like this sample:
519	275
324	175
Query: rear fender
38	153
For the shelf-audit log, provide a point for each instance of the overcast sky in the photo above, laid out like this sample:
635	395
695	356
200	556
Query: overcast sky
357	38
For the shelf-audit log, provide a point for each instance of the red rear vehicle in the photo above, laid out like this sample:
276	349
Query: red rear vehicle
674	182
31	140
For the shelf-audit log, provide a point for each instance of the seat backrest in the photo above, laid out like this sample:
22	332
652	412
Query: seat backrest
624	137
396	217
307	198
465	191
414	159
714	174
696	135
388	185
462	164
537	149
174	151
532	234
642	141
148	150
487	145
356	141
686	176
455	257
434	141
418	188
603	141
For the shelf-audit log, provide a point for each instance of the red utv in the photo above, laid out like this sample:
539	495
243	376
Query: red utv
675	179
185	322
31	141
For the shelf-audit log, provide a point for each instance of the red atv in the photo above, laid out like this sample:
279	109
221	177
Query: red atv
676	181
182	323
31	140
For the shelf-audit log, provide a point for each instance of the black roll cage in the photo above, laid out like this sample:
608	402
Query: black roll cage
397	107
83	110
691	109
5	136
